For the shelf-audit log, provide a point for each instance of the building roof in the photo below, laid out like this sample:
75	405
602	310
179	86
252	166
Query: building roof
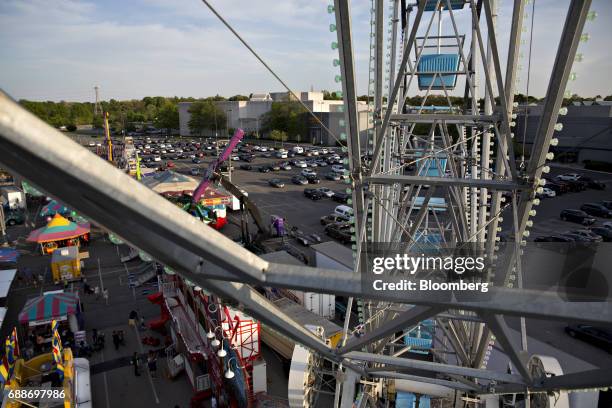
336	251
65	254
281	257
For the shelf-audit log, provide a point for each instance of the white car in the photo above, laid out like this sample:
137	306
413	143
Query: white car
301	164
569	177
235	158
92	144
324	151
326	192
308	172
337	168
281	155
263	149
156	158
547	192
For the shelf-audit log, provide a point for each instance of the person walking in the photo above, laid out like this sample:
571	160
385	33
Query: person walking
152	363
116	340
136	363
105	295
132	318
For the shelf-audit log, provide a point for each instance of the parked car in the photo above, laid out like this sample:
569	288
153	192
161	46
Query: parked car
326	192
312	194
13	218
194	171
284	166
592	183
308	172
196	160
597	336
569	177
276	183
300	180
337	168
344	210
264	169
300	164
341	232
332	218
554	238
247	157
597	210
603	232
547	192
313	179
341	197
275	167
576	185
587	234
169	164
577	216
246	167
607	204
332	176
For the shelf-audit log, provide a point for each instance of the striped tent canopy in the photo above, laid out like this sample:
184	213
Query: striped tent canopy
53	207
59	228
49	306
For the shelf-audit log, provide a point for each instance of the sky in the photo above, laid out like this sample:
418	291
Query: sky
60	49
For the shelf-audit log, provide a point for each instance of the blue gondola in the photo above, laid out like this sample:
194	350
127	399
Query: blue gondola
420	337
430	5
439	69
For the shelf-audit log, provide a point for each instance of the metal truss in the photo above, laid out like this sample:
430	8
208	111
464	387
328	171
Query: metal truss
120	204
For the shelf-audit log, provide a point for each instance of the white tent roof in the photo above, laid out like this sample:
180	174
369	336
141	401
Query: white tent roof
6	278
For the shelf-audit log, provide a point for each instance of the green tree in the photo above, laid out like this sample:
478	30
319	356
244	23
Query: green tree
238	98
168	117
205	115
288	117
278	136
332	96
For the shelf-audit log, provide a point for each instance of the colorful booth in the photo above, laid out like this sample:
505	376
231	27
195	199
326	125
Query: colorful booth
59	232
53	207
66	264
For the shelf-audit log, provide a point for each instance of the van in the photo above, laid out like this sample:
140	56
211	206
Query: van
344	211
298	149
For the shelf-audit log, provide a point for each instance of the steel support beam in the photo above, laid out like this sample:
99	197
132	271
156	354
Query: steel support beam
498	326
566	52
449	118
400	376
434	367
347	69
445	182
403	321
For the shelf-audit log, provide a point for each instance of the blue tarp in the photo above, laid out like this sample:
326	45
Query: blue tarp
438	63
408	400
430	5
8	255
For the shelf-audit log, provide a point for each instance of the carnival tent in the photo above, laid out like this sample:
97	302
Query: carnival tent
8	255
49	306
170	182
59	228
52	208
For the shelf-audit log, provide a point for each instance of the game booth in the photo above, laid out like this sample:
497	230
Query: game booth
38	313
54	207
59	233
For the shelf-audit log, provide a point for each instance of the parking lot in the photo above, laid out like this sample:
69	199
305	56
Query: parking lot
288	202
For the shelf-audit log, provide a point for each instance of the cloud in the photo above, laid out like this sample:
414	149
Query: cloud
60	49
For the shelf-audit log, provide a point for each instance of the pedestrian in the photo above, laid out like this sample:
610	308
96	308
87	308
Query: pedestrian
116	340
97	292
132	318
135	362
152	363
94	335
105	295
143	326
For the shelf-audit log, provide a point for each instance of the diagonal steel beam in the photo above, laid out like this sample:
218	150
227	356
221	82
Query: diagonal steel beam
498	326
427	380
434	367
401	322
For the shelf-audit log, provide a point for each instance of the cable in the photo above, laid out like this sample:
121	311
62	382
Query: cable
271	71
528	80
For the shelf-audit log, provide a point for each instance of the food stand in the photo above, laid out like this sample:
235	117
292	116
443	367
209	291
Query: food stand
66	264
59	232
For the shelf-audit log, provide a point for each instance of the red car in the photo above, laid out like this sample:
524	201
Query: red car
169	164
